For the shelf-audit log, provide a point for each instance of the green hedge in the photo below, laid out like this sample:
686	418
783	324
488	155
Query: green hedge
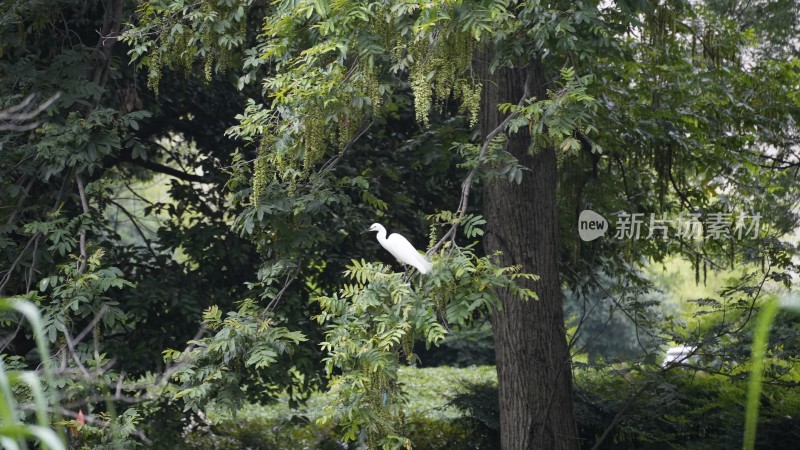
456	408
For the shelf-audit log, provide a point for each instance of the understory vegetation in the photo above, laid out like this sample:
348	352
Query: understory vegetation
456	408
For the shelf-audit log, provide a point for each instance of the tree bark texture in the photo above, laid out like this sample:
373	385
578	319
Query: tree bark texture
533	363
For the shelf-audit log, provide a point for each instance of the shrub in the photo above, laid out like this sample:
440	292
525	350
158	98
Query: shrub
451	408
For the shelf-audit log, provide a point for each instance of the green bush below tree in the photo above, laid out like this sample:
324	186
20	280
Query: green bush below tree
456	408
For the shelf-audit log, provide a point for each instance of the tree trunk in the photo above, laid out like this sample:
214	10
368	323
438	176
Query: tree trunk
533	364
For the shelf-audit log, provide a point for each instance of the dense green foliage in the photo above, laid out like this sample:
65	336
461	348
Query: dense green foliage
428	419
275	131
74	236
457	408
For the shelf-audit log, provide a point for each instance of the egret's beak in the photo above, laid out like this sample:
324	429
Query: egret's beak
366	231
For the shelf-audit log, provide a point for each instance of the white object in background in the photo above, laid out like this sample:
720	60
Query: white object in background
677	355
401	249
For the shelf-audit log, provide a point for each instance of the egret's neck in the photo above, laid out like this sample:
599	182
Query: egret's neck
381	234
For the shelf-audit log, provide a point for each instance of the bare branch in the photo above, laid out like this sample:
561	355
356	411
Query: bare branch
137	227
331	163
32	267
21	201
33	240
9	339
7	276
85	206
161	168
289	279
787	163
74	355
118	390
13	118
92	324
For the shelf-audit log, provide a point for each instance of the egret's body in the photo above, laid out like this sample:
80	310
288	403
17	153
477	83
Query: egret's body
401	249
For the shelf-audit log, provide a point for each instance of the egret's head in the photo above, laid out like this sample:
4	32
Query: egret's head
373	227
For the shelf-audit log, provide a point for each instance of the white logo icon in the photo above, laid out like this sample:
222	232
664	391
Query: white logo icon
591	225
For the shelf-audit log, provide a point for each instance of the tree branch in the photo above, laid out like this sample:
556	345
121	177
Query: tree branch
467	185
11	119
289	279
85	207
161	168
684	199
92	324
10	338
787	164
21	201
35	238
333	162
109	34
7	276
136	225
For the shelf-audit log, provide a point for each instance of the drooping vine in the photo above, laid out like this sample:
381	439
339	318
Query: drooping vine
440	68
180	34
322	94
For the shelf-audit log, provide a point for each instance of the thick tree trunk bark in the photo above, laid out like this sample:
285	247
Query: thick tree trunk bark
533	364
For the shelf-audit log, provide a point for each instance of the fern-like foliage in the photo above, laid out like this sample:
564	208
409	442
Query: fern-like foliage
374	320
245	343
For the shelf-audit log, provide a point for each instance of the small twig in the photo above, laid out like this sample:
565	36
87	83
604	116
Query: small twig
755	299
7	276
92	324
621	166
620	415
602	330
137	227
289	279
331	163
85	206
135	194
684	199
617	303
787	164
32	267
170	370
34	239
118	390
74	356
9	339
21	201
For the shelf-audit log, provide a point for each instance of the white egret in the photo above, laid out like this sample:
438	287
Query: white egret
679	355
400	248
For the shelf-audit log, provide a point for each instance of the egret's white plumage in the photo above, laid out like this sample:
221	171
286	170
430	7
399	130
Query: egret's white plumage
401	249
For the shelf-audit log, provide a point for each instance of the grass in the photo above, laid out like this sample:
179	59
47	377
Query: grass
14	433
